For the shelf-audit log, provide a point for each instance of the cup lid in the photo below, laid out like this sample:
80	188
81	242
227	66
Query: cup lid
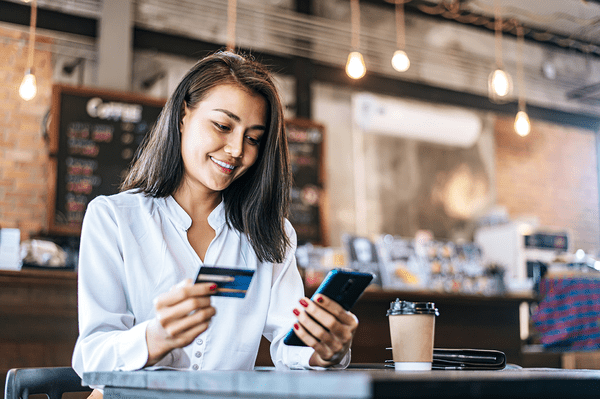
406	307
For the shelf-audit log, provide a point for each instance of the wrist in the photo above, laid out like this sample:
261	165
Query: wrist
317	361
157	347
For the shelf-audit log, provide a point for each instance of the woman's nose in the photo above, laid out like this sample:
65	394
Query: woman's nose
235	145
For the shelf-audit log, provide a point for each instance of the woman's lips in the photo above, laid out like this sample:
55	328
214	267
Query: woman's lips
226	167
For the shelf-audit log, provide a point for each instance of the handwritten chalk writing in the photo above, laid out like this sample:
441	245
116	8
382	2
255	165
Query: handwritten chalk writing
75	203
83	147
304	148
76	166
305	161
116	111
74	218
304	136
78	130
82	184
103	133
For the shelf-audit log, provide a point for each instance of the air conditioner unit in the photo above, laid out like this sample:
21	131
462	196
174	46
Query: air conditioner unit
416	120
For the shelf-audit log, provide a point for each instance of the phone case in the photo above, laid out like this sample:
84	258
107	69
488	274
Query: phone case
342	286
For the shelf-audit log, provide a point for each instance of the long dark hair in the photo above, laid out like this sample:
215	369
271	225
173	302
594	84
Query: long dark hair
258	201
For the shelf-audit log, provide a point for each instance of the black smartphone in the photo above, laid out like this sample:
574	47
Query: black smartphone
342	286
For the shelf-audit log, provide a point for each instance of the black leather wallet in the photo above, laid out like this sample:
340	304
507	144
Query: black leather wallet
468	359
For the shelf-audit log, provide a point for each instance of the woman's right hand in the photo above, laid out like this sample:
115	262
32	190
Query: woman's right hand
182	314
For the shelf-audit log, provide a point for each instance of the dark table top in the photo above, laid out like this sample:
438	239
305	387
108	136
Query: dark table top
351	383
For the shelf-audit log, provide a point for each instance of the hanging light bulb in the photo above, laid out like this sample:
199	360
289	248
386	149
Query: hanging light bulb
522	124
355	67
28	88
499	82
400	60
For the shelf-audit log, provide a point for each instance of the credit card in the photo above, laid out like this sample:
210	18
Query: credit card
230	282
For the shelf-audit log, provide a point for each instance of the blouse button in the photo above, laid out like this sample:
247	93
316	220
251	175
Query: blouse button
195	367
198	354
199	341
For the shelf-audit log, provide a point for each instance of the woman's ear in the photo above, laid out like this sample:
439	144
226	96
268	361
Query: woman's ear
182	114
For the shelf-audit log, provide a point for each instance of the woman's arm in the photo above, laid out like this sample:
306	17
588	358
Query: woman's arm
109	337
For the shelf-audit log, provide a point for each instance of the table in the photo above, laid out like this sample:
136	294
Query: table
352	383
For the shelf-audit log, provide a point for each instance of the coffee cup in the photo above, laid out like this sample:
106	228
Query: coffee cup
412	327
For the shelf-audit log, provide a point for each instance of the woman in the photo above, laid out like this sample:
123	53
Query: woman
210	186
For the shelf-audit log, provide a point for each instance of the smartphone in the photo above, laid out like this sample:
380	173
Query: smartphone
342	286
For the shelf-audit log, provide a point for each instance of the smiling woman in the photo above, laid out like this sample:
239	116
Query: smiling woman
209	187
220	140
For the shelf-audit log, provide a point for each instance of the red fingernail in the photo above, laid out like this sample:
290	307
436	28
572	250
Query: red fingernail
212	287
303	303
320	299
296	326
296	312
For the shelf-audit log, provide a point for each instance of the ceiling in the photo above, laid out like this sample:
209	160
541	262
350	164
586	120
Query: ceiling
578	19
573	24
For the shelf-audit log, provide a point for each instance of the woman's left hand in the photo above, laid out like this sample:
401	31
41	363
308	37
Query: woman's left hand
326	327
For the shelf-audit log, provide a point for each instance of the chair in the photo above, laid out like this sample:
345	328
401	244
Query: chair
52	381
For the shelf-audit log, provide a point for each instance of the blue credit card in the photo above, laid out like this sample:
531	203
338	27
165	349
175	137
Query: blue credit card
230	282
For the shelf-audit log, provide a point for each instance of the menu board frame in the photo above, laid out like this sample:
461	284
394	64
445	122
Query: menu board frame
58	117
316	183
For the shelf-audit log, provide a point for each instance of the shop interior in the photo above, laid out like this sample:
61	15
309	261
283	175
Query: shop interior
426	175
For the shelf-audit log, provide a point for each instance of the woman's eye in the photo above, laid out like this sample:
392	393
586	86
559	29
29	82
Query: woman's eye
253	141
223	128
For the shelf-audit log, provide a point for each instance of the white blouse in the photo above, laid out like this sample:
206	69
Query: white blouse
134	247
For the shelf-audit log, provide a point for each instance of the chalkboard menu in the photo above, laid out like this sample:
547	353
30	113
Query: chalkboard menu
93	137
307	211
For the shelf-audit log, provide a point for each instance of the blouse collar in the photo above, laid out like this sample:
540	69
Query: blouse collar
177	214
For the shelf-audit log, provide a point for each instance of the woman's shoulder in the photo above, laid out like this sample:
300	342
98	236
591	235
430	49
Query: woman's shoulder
130	200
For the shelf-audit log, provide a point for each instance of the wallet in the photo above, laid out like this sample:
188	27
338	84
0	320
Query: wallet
468	359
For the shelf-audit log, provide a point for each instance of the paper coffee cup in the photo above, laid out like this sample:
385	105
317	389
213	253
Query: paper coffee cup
412	327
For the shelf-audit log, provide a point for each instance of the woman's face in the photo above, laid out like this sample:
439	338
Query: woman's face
221	137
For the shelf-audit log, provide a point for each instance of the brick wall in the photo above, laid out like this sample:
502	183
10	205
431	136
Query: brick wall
23	152
552	175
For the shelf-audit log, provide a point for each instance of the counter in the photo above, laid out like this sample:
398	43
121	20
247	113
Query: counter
38	315
353	383
38	318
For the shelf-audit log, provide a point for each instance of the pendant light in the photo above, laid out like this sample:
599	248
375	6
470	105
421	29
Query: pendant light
499	81
28	87
522	123
355	66
400	60
231	21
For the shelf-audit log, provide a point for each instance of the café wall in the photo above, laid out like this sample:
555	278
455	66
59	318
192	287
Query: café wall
550	176
24	161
